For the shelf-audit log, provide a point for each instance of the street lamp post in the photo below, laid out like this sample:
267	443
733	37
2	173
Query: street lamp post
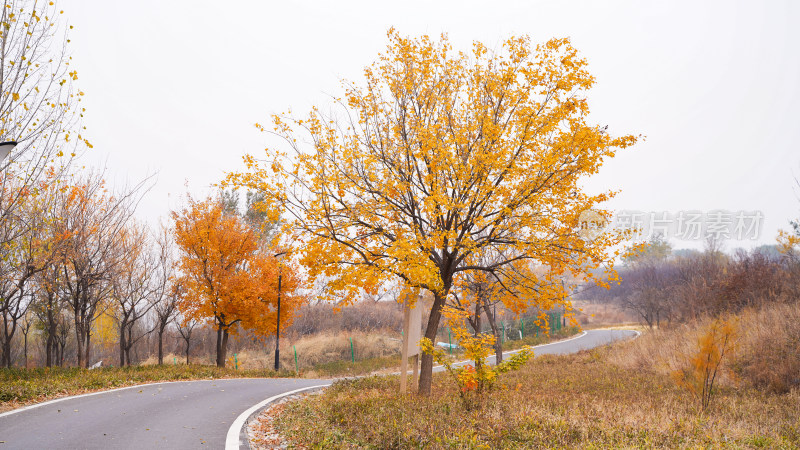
278	322
6	148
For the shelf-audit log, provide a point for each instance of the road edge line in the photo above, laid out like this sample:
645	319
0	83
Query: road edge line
106	391
232	439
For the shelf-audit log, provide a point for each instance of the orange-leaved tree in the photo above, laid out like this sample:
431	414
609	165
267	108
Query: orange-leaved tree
714	345
228	275
438	157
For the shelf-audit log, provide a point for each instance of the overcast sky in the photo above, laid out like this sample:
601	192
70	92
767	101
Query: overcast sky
174	87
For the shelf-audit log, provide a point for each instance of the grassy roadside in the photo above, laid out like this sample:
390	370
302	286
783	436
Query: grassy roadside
581	401
20	387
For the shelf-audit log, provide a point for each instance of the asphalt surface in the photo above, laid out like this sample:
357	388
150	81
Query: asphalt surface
592	339
179	415
191	414
584	341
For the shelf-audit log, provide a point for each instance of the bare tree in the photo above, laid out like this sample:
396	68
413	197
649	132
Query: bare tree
49	312
131	287
25	254
166	290
185	328
95	221
39	107
651	288
40	110
63	332
25	328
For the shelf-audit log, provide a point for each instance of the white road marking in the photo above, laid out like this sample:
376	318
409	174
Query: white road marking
511	352
61	399
232	439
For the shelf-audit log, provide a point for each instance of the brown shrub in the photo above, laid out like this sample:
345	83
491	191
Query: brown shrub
766	355
769	355
321	348
363	316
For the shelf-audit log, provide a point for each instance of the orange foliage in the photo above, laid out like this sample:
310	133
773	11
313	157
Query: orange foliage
714	345
228	276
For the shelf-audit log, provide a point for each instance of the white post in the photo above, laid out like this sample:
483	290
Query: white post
404	348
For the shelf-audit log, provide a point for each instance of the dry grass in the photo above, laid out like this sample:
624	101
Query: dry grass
769	355
621	396
593	314
579	401
321	350
767	349
312	351
176	359
325	348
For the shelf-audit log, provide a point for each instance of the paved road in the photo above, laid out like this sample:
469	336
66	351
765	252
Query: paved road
192	414
584	341
592	339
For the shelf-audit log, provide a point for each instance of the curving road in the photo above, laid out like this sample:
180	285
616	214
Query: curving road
188	414
586	340
176	415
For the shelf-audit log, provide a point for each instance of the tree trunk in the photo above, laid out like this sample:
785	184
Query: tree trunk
7	336
160	345
222	344
426	366
187	351
48	352
122	345
219	344
79	340
127	353
224	347
498	349
51	338
63	346
478	317
87	349
7	354
25	348
498	345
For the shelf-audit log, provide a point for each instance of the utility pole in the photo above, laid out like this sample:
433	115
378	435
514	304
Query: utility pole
278	324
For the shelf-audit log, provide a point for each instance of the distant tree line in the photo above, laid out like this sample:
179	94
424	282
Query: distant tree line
664	287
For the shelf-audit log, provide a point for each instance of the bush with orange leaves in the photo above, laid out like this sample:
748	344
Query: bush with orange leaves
699	376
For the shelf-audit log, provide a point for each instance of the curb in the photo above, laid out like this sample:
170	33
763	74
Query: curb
237	433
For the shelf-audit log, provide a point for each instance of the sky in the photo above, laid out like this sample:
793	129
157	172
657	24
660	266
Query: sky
175	87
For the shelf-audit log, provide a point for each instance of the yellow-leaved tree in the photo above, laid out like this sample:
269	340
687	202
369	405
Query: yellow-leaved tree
439	157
